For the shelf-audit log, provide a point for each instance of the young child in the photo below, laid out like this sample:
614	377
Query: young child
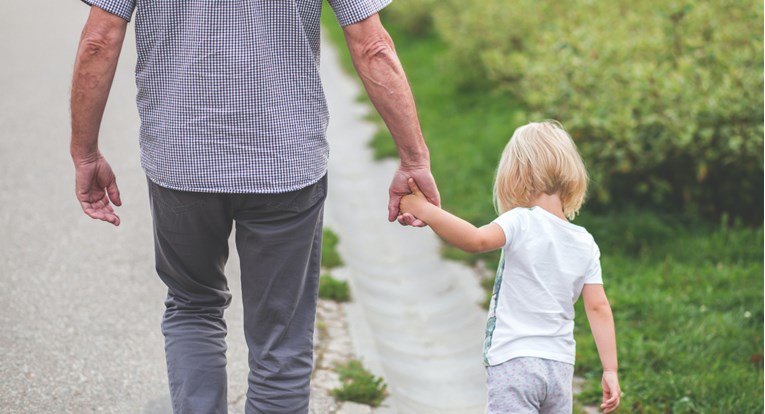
547	263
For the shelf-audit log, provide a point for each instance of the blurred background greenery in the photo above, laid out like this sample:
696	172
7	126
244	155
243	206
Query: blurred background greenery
665	102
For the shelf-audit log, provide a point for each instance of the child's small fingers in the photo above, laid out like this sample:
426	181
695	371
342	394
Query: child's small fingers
413	186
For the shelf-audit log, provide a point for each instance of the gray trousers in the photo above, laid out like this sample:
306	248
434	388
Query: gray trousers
530	386
278	238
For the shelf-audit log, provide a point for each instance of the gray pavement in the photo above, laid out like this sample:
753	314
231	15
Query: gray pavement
81	304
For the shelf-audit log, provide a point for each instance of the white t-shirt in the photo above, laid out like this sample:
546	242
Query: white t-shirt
546	263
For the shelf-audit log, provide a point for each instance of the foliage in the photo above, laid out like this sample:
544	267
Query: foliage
333	289
664	99
330	258
359	385
415	17
687	294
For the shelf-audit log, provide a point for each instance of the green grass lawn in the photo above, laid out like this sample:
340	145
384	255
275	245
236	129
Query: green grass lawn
687	296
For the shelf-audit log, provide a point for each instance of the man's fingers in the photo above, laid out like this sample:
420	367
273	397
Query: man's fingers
418	223
407	219
114	193
99	211
393	203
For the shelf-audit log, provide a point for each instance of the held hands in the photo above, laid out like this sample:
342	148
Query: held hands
96	188
611	391
400	187
413	203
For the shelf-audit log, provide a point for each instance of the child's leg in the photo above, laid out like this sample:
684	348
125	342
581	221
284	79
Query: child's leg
530	386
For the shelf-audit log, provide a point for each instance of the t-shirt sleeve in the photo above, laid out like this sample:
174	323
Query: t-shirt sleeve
349	12
594	274
510	222
119	8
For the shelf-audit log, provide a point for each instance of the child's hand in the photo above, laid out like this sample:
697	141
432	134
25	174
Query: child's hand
412	203
611	391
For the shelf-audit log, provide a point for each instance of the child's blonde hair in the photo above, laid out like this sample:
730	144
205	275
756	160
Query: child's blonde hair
540	158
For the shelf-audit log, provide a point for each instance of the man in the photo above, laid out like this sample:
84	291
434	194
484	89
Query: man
233	123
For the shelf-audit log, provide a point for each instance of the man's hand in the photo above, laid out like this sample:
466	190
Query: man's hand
94	68
611	391
399	187
96	188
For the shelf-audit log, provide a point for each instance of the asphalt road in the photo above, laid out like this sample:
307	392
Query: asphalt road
80	301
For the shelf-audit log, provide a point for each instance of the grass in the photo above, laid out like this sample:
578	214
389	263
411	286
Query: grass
359	385
687	295
689	317
333	289
330	258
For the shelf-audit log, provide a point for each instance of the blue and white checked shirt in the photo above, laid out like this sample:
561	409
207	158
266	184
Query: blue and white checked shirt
229	93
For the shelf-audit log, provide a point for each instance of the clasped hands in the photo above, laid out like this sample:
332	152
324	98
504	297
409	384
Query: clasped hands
410	188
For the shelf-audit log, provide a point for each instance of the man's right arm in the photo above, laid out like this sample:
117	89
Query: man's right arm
381	72
94	69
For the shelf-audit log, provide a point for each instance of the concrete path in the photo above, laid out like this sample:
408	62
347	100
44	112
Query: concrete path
80	304
415	318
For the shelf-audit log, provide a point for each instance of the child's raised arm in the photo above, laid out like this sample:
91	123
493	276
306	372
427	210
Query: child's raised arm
602	325
456	231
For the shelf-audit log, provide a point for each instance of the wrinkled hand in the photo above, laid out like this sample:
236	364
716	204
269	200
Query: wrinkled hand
399	188
611	391
96	188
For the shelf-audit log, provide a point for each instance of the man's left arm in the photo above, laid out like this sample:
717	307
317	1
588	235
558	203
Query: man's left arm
94	68
376	62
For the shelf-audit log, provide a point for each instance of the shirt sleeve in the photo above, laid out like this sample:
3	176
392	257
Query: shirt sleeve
510	222
594	274
119	8
349	12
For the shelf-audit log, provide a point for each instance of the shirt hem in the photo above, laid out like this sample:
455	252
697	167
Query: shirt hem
554	356
204	189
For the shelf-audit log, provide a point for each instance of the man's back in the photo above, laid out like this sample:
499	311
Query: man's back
229	95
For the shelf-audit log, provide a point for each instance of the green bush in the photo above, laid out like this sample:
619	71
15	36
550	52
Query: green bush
413	16
330	258
333	289
359	385
664	99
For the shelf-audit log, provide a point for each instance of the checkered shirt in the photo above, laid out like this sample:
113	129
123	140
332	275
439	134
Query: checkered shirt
229	93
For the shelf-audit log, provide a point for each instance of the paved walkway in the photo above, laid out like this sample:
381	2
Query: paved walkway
81	304
415	319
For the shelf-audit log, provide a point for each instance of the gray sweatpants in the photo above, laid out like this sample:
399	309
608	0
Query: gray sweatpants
530	386
278	238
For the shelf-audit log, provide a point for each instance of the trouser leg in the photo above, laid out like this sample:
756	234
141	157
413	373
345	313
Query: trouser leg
191	246
279	245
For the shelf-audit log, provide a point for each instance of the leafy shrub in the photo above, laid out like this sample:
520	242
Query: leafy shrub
359	385
664	99
330	258
413	16
333	289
